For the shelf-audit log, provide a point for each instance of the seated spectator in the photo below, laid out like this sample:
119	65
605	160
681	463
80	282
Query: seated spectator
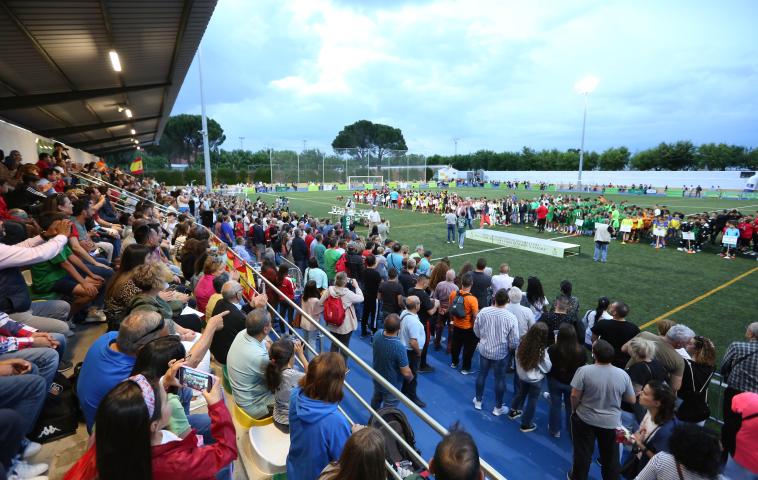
132	418
655	428
318	430
281	377
695	455
241	250
246	365
152	280
121	289
15	300
233	301
61	274
362	457
455	458
12	440
218	284
204	289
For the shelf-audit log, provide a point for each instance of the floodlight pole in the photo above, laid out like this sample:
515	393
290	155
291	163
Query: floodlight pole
206	148
271	165
298	169
581	149
424	168
323	170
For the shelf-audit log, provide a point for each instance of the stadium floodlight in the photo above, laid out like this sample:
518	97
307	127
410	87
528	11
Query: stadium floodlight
115	61
585	86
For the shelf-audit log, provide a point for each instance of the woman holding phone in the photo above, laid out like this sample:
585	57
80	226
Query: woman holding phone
131	440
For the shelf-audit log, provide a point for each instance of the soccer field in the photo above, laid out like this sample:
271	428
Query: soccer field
717	298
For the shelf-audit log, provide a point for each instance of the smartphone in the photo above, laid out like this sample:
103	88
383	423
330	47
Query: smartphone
195	379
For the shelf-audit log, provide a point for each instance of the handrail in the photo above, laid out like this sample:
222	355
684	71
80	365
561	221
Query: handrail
431	422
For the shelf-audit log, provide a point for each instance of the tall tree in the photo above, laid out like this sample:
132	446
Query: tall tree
367	138
182	137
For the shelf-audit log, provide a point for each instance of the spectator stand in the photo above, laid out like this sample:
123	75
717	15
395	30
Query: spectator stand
260	438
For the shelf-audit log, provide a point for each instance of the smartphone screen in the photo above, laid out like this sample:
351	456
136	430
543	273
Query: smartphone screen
195	379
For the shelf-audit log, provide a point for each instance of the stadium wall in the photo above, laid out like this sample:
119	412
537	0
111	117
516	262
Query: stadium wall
13	137
725	180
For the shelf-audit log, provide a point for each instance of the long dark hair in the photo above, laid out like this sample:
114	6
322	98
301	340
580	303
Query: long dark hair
363	456
282	273
310	291
602	306
567	345
122	444
133	256
279	357
152	359
532	347
534	291
666	398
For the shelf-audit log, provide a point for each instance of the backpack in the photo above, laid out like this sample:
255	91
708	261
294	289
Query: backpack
334	311
341	265
60	414
458	307
395	453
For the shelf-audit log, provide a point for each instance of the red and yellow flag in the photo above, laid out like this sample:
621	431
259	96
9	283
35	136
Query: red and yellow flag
136	166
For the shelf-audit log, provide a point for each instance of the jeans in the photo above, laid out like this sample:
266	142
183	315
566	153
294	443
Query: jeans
601	251
558	391
463	338
312	338
409	387
461	237
451	233
26	394
345	339
735	471
528	392
584	437
286	311
383	398
44	359
47	316
499	367
11	436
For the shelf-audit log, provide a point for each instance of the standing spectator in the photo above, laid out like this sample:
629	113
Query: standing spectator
331	255
482	282
299	250
572	307
566	356
311	306
739	369
603	232
560	316
391	294
407	276
428	307
390	360
616	332
318	430
593	316
524	315
497	330
285	284
463	302
450	223
694	456
455	458
541	217
502	280
315	274
744	463
349	299
371	281
413	339
442	292
535	297
373	218
532	364
596	394
698	372
678	336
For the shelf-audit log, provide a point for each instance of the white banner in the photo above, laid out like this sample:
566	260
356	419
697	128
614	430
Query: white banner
659	232
688	235
625	228
578	222
521	242
728	241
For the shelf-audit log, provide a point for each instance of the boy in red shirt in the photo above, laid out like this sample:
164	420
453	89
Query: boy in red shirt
746	233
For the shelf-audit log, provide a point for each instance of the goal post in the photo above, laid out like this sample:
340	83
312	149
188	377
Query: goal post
359	182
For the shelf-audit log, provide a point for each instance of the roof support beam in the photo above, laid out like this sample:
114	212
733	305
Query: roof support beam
29	101
57	132
105	140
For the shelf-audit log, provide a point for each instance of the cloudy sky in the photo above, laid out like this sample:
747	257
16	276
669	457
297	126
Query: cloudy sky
496	74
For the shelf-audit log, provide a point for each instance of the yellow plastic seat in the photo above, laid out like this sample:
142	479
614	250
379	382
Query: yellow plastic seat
246	421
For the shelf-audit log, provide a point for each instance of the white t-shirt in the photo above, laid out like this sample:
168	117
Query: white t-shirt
411	327
374	217
502	280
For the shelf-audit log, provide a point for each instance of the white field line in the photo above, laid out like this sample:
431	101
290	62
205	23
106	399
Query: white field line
497	248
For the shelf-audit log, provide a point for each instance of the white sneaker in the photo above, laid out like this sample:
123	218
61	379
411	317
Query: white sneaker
497	411
31	450
546	396
24	470
95	316
477	404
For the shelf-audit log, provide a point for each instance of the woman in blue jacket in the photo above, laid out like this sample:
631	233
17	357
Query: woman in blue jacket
318	430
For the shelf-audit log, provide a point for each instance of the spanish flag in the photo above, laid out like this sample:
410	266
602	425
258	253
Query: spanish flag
136	166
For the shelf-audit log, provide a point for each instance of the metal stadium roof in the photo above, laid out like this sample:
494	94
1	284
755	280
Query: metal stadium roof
58	80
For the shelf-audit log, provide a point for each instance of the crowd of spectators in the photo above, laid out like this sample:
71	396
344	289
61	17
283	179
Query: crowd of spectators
158	282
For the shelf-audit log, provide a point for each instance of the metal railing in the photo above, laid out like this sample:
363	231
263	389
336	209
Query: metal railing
489	471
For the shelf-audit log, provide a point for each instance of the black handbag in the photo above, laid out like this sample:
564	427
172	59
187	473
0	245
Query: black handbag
60	413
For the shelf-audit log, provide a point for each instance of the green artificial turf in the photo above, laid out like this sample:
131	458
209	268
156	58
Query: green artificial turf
652	282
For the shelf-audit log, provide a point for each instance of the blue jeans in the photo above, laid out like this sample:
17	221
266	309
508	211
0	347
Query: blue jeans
383	398
47	316
44	359
25	394
450	233
461	237
499	367
559	391
601	251
312	338
528	392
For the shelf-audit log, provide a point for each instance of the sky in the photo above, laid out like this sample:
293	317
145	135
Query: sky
496	75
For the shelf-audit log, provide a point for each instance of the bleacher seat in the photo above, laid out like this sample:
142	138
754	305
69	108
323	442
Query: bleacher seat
270	447
246	421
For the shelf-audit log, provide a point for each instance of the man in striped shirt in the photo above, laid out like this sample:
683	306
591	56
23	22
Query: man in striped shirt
498	333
